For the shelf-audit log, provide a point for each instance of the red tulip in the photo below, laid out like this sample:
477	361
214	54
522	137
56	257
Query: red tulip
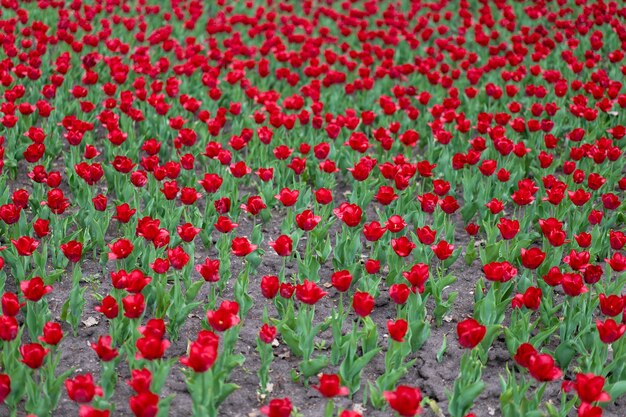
267	334
309	293
170	190
554	277
573	285
144	404
592	273
579	197
120	249
395	224
224	224
41	227
153	328
610	331
524	352
25	245
341	280
148	228
617	262
278	407
472	229
589	388
104	350
178	257
307	221
448	204
88	411
532	258
443	250
495	206
399	293
187	232
10	213
282	245
5	387
426	235
56	202
588	410
417	276
330	386
34	289
224	317
499	271
428	202
286	290
52	333
402	246
350	413
211	183
405	400
241	246
254	205
612	305
99	202
363	303
617	239
33	355
136	281
269	286
72	250
82	388
373	231
508	228
210	270
151	347
542	368
577	260
123	213
202	353
108	307
397	329
348	213
470	333
323	196
287	197
372	266
140	381
531	299
8	328
134	305
386	195
10	304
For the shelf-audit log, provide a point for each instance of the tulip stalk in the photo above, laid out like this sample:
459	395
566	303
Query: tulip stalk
266	355
467	386
309	366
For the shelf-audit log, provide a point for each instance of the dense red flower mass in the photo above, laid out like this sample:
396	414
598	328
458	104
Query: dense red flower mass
231	204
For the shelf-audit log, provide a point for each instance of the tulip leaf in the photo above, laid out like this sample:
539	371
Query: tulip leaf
617	390
192	291
313	366
564	354
442	349
164	406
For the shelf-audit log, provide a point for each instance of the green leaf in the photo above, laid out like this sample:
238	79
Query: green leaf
564	354
313	366
442	349
617	390
192	291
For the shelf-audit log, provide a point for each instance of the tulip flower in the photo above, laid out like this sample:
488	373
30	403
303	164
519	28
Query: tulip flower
470	333
405	400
